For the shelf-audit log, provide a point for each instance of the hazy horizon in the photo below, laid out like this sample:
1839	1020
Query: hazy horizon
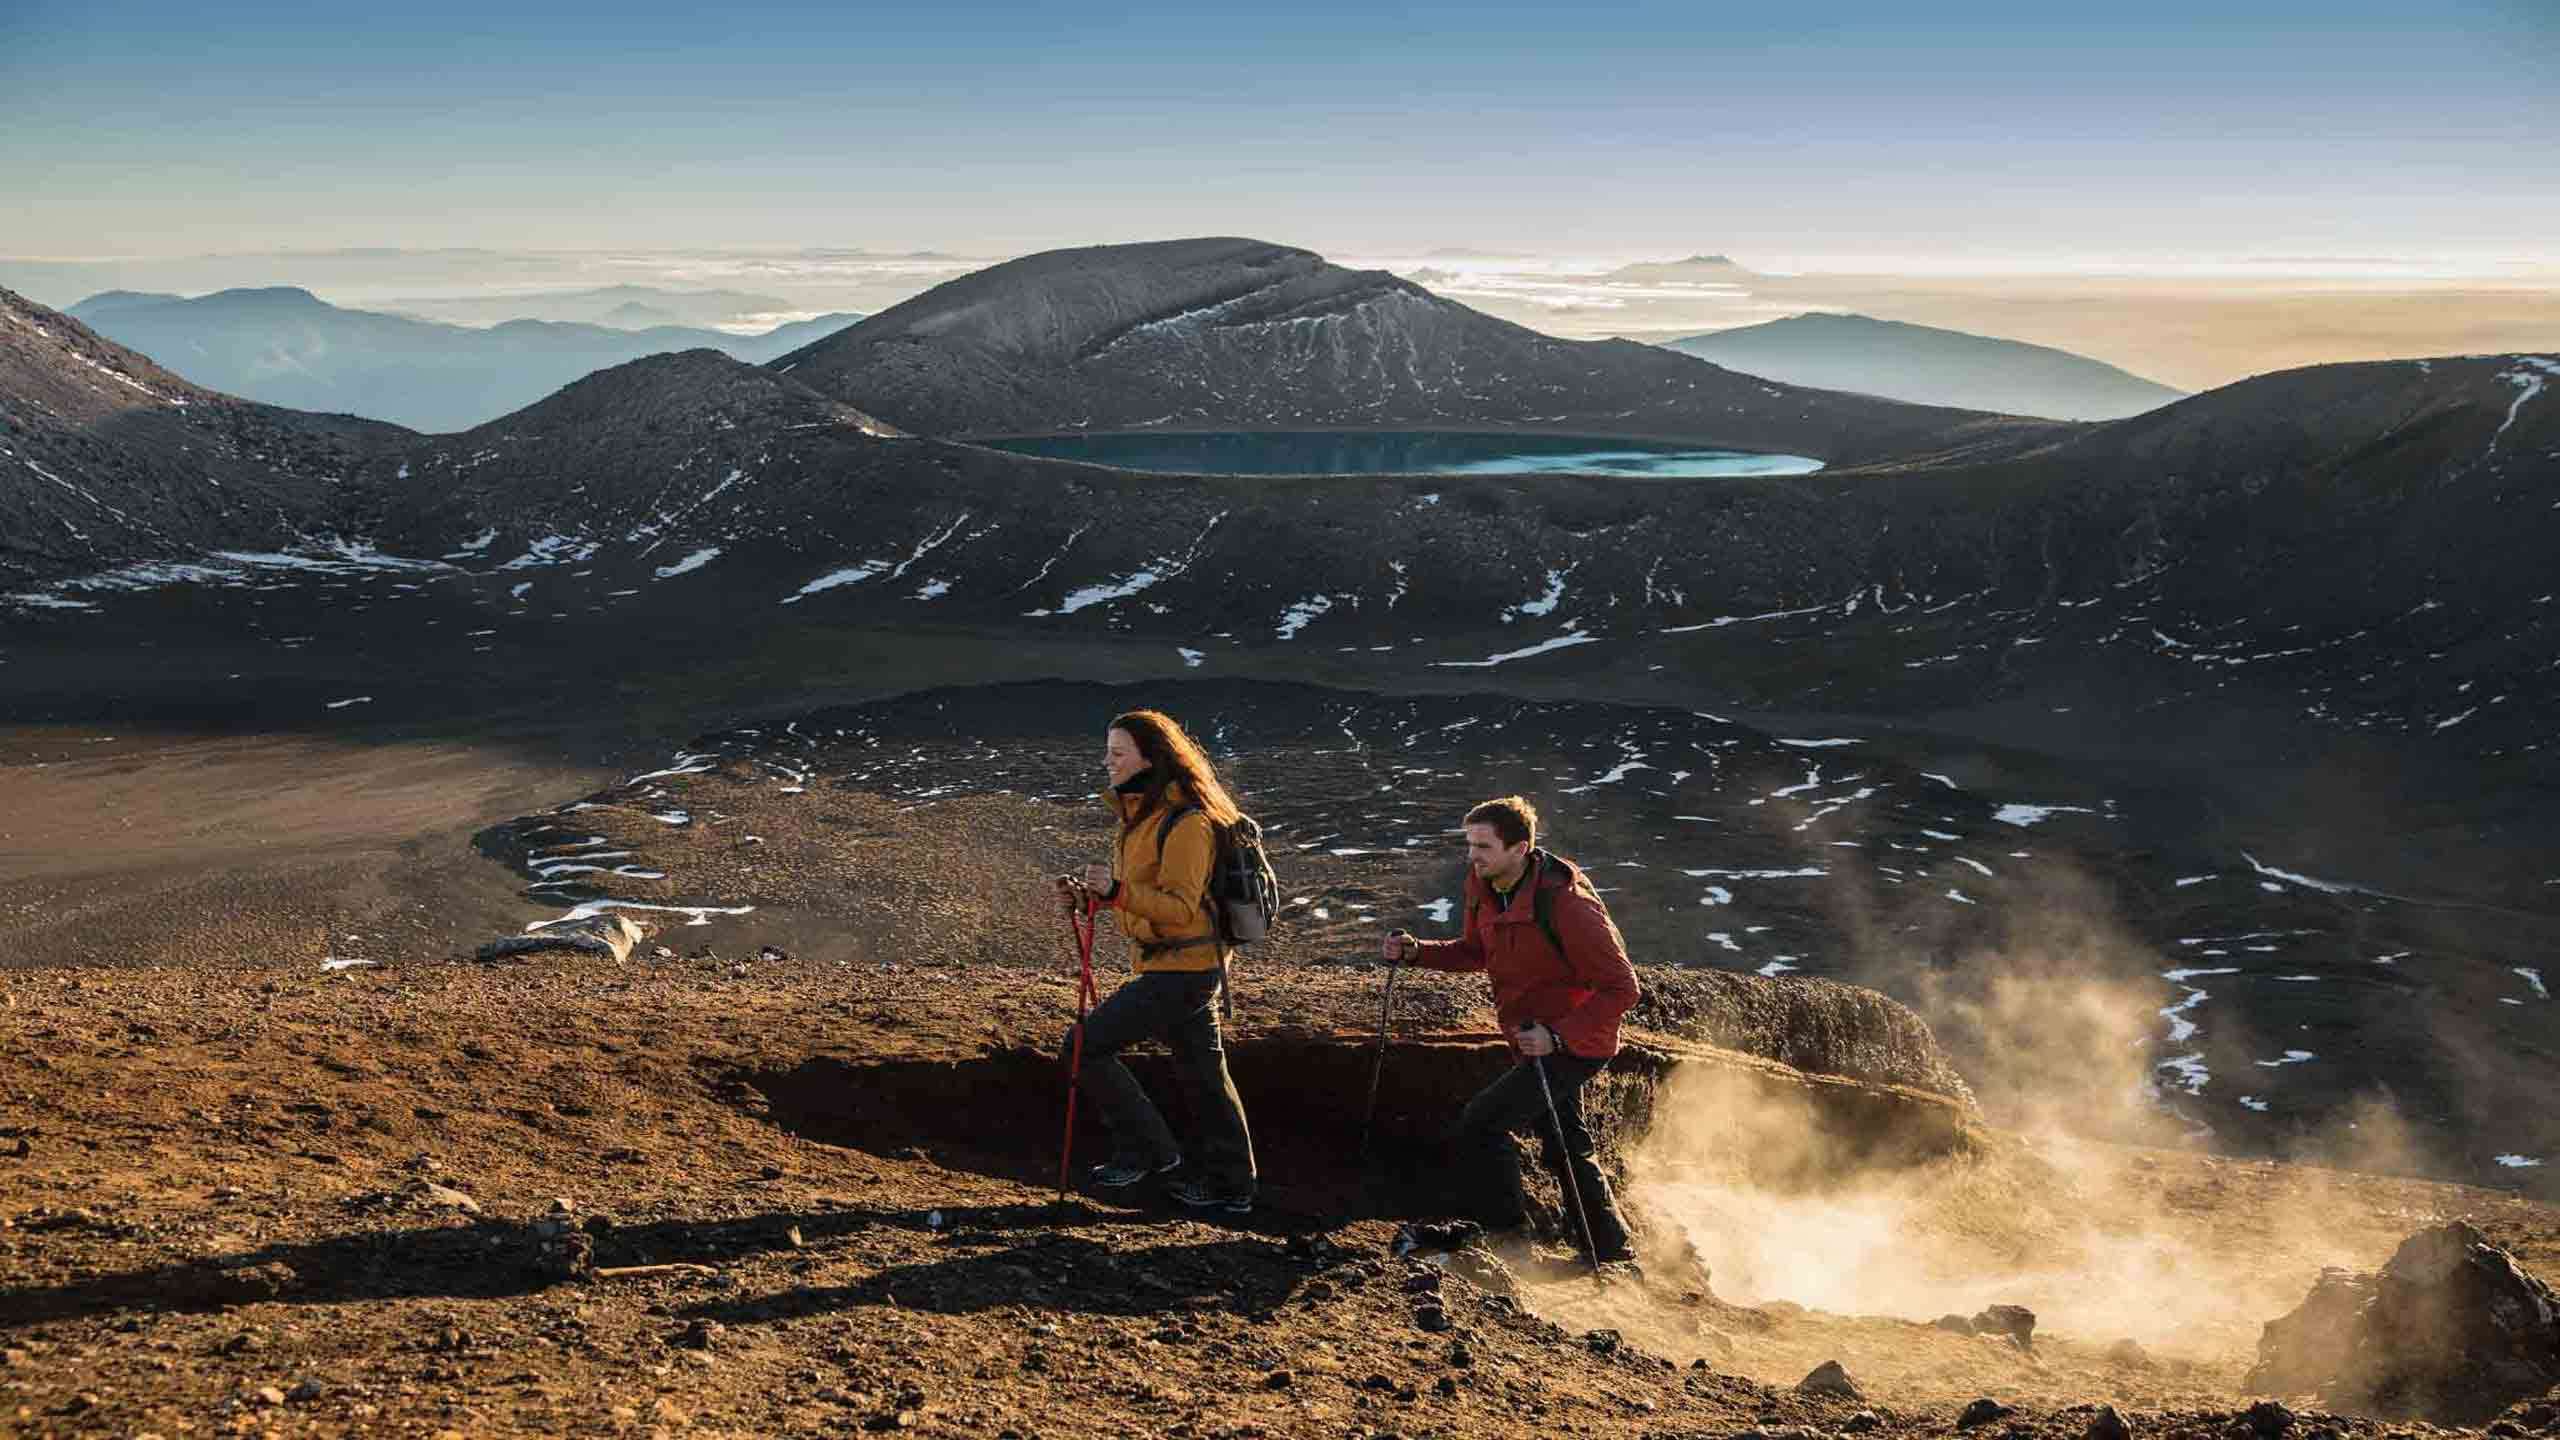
1989	137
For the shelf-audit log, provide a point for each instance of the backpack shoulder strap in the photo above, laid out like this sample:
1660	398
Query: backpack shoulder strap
1172	818
1544	908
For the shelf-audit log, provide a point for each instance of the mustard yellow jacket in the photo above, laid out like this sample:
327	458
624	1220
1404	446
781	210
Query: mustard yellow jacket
1163	896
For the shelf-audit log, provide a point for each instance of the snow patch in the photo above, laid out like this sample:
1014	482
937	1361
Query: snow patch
2326	887
1154	572
1296	617
2025	815
1546	602
1808	872
1565	641
690	563
554	550
836	579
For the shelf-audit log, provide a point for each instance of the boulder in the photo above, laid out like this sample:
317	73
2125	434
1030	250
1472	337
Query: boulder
2299	1353
2106	1424
2015	1321
429	1194
1829	1378
1983	1412
609	935
1485	1270
2452	1329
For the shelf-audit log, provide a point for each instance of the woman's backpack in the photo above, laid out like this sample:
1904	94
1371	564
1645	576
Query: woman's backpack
1244	896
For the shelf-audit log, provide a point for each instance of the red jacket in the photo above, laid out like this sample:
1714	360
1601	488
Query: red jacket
1581	993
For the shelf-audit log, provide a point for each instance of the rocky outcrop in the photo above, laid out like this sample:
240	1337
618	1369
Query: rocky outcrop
1821	1027
609	935
2451	1329
1236	333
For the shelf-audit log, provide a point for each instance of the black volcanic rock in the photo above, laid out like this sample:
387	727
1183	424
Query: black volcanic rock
2452	1329
1231	333
1930	366
107	458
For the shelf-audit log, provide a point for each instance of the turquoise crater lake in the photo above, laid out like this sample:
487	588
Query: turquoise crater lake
1402	452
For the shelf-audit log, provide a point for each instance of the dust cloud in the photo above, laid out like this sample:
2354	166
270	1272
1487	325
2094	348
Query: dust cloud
2093	1203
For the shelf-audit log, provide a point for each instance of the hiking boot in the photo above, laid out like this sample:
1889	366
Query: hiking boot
1201	1195
1118	1173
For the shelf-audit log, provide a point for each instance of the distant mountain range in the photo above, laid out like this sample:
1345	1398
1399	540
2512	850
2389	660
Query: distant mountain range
1696	268
1929	366
625	307
285	346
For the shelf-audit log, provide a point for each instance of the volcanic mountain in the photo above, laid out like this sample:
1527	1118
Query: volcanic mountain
619	453
105	457
1930	366
1233	333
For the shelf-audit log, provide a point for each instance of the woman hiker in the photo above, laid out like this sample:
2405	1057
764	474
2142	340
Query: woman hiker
1168	799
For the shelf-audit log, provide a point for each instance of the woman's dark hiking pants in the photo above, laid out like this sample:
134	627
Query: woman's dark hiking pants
1488	1164
1182	1007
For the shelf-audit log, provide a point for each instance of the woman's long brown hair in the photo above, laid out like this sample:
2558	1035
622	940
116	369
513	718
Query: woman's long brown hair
1171	754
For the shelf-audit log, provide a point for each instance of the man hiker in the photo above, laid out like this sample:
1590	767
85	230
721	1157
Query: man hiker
1166	794
1560	983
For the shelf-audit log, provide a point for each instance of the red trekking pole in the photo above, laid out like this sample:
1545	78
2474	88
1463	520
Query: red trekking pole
1082	924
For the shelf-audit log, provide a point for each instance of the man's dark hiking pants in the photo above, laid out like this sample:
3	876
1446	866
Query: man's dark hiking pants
1489	1164
1182	1007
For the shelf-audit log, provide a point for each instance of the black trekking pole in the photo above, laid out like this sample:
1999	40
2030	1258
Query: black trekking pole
1378	1067
1564	1155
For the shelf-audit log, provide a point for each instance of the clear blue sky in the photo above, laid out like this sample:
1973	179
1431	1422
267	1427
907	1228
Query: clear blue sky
2327	127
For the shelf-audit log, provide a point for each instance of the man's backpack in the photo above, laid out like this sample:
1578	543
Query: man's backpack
1543	910
1244	896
